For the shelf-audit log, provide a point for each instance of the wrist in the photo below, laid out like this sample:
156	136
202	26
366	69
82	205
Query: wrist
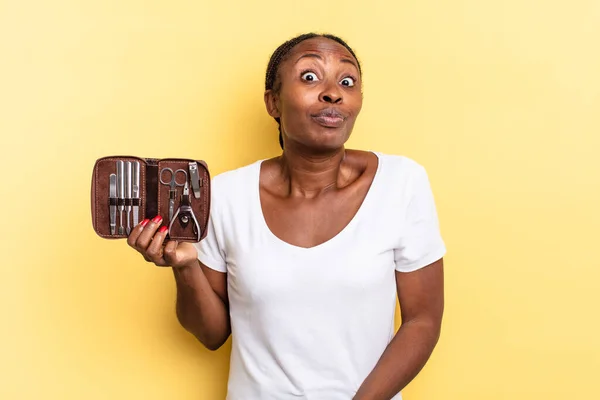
187	268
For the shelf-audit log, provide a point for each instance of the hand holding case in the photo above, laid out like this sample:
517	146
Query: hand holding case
126	186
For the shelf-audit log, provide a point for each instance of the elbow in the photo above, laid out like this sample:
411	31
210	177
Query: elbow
212	343
433	329
435	335
210	340
429	328
212	346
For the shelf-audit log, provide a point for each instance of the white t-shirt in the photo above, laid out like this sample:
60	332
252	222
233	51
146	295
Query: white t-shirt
311	323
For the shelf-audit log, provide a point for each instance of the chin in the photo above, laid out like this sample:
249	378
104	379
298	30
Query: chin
321	139
329	140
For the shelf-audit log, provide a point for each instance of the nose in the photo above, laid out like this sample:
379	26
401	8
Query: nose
331	94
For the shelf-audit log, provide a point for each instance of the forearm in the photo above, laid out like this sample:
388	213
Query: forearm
402	360
199	309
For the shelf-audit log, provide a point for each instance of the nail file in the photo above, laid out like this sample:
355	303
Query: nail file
113	203
128	195
136	190
195	178
121	193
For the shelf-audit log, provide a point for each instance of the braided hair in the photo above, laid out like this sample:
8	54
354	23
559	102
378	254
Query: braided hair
279	55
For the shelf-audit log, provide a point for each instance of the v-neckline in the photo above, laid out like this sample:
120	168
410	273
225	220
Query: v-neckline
331	241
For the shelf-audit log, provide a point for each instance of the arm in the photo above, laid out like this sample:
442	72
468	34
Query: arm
202	304
421	295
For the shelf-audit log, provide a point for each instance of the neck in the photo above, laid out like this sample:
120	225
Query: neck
308	175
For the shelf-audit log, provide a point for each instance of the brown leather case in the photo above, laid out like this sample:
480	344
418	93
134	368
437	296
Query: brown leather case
154	197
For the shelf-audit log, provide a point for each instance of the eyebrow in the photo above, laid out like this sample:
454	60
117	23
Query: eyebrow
318	56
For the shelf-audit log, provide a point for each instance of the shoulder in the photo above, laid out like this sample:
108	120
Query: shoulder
235	182
398	161
405	188
229	179
400	168
402	180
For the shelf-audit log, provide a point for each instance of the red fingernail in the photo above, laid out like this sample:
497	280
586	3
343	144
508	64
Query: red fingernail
144	222
157	219
163	229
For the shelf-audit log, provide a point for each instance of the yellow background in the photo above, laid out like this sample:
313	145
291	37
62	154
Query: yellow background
500	100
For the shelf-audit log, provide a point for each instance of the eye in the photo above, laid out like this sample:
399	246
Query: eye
347	81
310	76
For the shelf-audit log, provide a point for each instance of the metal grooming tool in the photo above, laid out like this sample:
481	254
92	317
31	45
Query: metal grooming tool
195	179
173	183
113	203
128	195
185	213
136	190
121	194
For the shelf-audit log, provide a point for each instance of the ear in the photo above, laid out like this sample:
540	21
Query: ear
271	104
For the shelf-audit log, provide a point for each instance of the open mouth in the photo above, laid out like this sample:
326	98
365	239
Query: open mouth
329	117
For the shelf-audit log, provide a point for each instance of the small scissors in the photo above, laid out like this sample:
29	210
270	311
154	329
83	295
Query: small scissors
173	183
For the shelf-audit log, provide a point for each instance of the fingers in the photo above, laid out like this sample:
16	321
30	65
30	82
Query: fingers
148	241
147	233
135	233
155	250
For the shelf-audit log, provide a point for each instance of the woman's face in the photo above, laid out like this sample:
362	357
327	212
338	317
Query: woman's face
319	94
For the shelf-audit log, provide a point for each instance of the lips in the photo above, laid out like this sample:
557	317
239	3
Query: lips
329	118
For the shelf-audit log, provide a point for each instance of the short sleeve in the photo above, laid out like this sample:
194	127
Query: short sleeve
210	249
420	242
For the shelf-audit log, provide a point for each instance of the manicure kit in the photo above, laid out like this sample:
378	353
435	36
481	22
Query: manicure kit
127	189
